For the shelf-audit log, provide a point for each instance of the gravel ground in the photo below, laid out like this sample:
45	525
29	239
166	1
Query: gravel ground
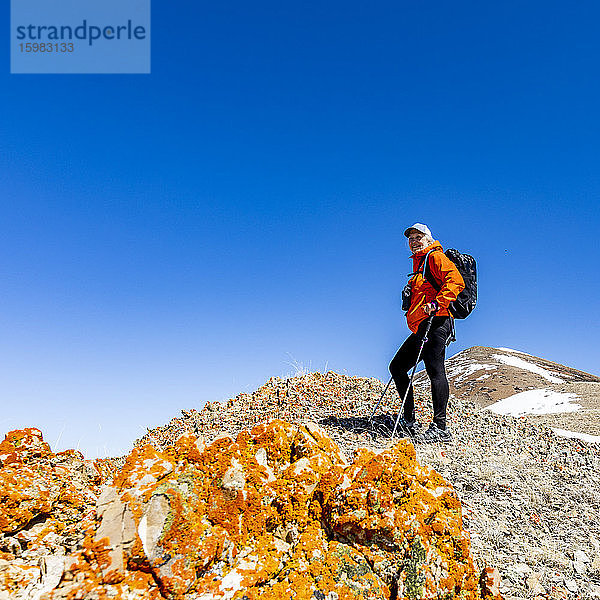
531	500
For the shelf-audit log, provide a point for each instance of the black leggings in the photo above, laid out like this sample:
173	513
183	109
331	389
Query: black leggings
433	355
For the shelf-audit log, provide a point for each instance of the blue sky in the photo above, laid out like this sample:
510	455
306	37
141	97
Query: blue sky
183	236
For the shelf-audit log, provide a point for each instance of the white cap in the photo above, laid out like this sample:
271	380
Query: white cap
419	227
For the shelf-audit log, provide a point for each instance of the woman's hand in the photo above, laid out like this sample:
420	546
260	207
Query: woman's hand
430	308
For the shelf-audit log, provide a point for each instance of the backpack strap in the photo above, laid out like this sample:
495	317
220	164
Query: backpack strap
417	271
427	274
425	270
421	266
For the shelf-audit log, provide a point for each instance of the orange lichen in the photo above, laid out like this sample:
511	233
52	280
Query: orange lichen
276	513
23	445
47	501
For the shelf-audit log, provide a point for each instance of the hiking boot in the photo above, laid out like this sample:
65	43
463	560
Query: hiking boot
407	428
433	434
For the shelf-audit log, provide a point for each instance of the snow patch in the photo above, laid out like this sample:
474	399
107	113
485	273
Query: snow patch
585	437
514	361
460	372
536	402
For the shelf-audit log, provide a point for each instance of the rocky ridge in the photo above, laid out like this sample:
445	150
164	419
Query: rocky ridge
102	529
530	498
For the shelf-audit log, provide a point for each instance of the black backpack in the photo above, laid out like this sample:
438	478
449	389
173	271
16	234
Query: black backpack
464	304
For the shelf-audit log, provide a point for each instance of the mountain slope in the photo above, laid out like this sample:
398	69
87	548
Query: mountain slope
568	399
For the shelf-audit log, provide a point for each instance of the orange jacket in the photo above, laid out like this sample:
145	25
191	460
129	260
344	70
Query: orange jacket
445	272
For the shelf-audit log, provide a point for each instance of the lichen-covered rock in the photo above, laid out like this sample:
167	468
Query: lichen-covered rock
277	513
38	486
490	584
23	445
47	503
406	520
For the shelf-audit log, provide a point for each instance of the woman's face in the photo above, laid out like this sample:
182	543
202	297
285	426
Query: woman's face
417	241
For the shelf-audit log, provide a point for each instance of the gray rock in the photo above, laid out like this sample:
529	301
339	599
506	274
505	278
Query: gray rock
579	566
581	556
571	585
117	525
534	584
234	478
151	527
52	568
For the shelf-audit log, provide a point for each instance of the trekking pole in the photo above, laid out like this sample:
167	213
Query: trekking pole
380	399
427	328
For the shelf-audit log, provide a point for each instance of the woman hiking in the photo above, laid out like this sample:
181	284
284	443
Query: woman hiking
427	302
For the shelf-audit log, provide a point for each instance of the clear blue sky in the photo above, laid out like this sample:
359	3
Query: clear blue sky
179	237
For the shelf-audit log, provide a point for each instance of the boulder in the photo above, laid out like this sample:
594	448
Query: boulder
277	512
